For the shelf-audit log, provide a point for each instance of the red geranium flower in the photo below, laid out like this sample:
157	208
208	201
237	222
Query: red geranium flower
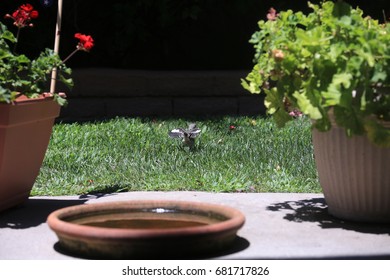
23	15
26	7
86	42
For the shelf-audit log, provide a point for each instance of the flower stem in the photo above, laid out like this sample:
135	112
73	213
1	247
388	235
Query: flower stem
69	56
17	39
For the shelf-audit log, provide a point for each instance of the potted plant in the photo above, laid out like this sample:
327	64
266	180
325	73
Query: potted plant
27	111
333	65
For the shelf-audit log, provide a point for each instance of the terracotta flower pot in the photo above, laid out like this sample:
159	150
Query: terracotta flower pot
25	129
354	175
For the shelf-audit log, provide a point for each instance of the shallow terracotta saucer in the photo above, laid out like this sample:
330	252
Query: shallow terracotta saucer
145	229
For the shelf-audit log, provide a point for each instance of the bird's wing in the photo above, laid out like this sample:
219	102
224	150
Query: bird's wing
194	132
176	133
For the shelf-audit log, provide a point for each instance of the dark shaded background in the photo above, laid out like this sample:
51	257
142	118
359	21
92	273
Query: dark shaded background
160	34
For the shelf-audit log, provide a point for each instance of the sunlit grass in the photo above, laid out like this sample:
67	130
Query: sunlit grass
137	155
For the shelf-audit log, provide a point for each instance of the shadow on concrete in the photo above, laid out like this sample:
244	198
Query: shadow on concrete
315	210
33	212
103	191
239	244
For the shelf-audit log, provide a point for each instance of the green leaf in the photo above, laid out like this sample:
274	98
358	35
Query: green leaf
281	117
336	88
275	107
8	35
311	37
60	100
332	95
343	79
22	59
367	56
272	101
5	95
4	54
251	87
323	124
349	119
379	76
341	9
377	133
306	106
68	82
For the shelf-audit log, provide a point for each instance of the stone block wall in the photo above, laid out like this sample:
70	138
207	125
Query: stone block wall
101	93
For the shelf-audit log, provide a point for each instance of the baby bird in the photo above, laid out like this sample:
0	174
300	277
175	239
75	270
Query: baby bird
188	135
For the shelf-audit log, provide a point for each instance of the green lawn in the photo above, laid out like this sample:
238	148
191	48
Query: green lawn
137	155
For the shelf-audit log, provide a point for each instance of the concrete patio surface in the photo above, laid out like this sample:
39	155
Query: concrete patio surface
278	226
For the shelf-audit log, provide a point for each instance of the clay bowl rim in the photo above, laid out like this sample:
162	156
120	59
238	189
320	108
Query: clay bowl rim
235	220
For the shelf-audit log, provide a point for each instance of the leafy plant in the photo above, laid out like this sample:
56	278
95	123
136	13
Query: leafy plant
330	62
20	75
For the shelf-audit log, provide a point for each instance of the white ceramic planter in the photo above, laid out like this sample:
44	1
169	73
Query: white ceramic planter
354	175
